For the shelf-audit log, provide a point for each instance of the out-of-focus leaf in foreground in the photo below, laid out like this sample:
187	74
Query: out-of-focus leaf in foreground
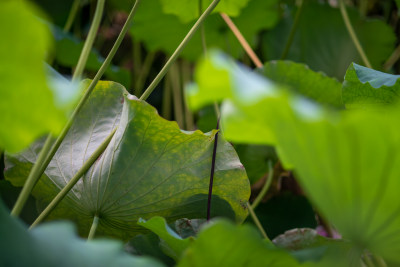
348	162
27	105
55	243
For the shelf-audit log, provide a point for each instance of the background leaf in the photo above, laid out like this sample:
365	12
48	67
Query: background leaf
323	43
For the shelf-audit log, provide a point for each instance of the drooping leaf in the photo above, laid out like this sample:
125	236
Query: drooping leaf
160	31
150	168
174	244
347	161
365	87
56	243
323	42
314	85
188	10
221	243
27	105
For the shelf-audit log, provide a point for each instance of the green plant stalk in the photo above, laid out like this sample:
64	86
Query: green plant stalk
87	47
144	72
392	59
30	182
178	50
72	15
93	228
265	188
257	221
166	104
379	261
86	166
189	120
293	31
353	35
44	162
202	30
177	95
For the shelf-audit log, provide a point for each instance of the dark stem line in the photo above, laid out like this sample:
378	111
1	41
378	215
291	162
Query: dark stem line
210	188
292	31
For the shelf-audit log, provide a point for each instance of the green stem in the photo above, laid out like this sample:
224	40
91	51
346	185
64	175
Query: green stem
265	188
166	104
43	163
72	15
202	30
144	72
353	34
86	166
392	59
177	95
30	182
367	260
379	261
293	31
256	221
178	50
93	228
89	41
186	78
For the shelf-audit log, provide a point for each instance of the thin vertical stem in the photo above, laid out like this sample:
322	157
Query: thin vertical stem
43	163
177	95
178	50
30	182
256	221
210	187
186	77
85	167
353	35
89	41
166	104
293	30
144	72
392	59
265	188
93	228
72	15
202	30
247	48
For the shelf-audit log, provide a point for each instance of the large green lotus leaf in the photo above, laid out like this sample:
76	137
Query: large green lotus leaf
53	244
150	168
314	85
323	42
367	87
221	243
160	31
346	161
188	10
27	105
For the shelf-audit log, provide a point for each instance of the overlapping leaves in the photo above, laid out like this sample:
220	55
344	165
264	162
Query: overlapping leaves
347	161
150	168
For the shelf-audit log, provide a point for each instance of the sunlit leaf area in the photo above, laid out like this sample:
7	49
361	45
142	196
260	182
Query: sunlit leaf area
200	133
